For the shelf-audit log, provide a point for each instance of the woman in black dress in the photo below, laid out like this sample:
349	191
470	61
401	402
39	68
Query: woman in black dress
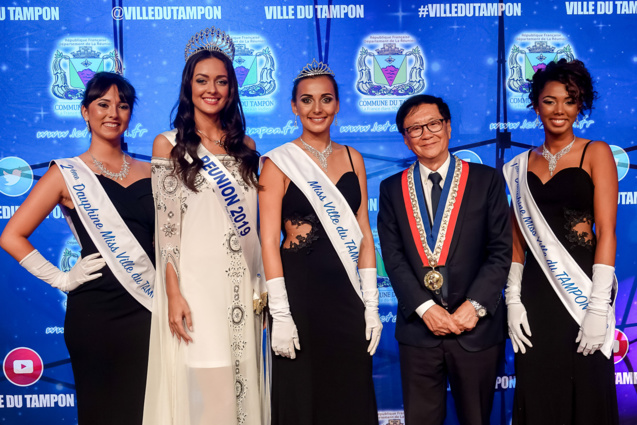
563	377
324	338
106	329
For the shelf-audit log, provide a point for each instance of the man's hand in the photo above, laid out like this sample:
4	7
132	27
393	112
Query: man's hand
439	321
465	317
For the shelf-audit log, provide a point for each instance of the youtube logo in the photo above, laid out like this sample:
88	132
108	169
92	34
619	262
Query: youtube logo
620	346
23	366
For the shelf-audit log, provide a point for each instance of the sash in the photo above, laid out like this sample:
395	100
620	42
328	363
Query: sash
113	239
332	209
569	281
435	240
233	201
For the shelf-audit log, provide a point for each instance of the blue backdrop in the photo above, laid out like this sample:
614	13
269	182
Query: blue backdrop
477	56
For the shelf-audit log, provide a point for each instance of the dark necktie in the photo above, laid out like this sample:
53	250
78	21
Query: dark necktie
436	190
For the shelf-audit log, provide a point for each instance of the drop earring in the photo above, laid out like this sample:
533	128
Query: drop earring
577	122
88	126
537	121
336	119
295	117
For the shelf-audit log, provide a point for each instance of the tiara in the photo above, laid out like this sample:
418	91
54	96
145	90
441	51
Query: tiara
211	39
313	69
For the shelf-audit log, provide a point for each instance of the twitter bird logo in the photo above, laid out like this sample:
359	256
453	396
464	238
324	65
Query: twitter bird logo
16	178
13	177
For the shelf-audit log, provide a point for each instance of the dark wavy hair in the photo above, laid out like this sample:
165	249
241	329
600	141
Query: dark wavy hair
573	75
295	86
232	123
102	82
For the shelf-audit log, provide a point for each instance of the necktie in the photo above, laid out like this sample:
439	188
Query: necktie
436	190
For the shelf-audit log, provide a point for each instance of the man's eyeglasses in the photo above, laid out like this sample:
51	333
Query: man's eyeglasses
433	126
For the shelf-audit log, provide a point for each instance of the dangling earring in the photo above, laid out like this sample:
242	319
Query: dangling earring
537	121
336	118
88	126
577	122
295	117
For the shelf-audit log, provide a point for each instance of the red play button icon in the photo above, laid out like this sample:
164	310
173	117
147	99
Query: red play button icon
23	367
620	347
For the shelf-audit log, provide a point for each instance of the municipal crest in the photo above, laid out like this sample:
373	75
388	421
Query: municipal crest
70	254
390	71
390	68
75	61
254	80
254	66
525	62
73	70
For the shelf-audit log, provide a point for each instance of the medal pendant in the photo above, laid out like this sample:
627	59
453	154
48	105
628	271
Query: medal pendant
433	280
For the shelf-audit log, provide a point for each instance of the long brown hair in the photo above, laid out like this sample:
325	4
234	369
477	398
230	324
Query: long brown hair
232	123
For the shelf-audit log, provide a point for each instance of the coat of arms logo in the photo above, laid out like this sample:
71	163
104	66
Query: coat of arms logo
254	80
524	63
387	72
72	71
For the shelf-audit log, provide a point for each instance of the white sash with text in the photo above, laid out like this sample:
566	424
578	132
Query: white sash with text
232	200
328	203
113	239
569	281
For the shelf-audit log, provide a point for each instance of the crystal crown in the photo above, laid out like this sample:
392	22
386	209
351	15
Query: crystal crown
212	39
313	69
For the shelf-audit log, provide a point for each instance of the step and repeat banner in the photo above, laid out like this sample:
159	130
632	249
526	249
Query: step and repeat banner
381	52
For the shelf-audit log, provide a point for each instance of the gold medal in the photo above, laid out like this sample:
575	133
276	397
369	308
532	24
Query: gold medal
433	280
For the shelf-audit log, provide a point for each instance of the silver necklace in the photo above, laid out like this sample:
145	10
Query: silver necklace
216	142
552	159
123	172
320	156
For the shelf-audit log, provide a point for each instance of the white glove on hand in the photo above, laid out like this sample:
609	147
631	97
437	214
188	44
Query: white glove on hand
285	336
83	270
373	325
516	313
592	333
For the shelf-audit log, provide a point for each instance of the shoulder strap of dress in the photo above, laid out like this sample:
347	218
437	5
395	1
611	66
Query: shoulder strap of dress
350	158
584	153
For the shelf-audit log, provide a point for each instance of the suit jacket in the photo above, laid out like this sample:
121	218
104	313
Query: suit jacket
477	265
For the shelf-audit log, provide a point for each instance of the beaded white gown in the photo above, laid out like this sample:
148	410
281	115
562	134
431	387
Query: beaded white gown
218	378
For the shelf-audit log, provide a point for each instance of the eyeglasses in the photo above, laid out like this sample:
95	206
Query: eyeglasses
433	126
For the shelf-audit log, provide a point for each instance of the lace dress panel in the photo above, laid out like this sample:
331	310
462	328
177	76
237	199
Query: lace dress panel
301	232
579	228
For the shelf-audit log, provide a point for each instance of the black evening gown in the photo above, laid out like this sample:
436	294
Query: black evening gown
106	330
555	384
330	381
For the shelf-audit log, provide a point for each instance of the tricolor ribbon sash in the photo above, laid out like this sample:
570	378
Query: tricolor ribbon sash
434	241
113	239
569	281
330	206
233	200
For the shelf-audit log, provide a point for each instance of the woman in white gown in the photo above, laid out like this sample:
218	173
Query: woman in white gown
205	350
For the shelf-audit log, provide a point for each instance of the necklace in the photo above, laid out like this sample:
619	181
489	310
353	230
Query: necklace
123	172
320	156
216	142
552	159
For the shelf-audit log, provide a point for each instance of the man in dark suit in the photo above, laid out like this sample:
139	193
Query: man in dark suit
445	235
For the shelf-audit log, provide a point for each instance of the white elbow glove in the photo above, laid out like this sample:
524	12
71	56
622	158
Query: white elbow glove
516	313
285	336
373	325
592	332
83	270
